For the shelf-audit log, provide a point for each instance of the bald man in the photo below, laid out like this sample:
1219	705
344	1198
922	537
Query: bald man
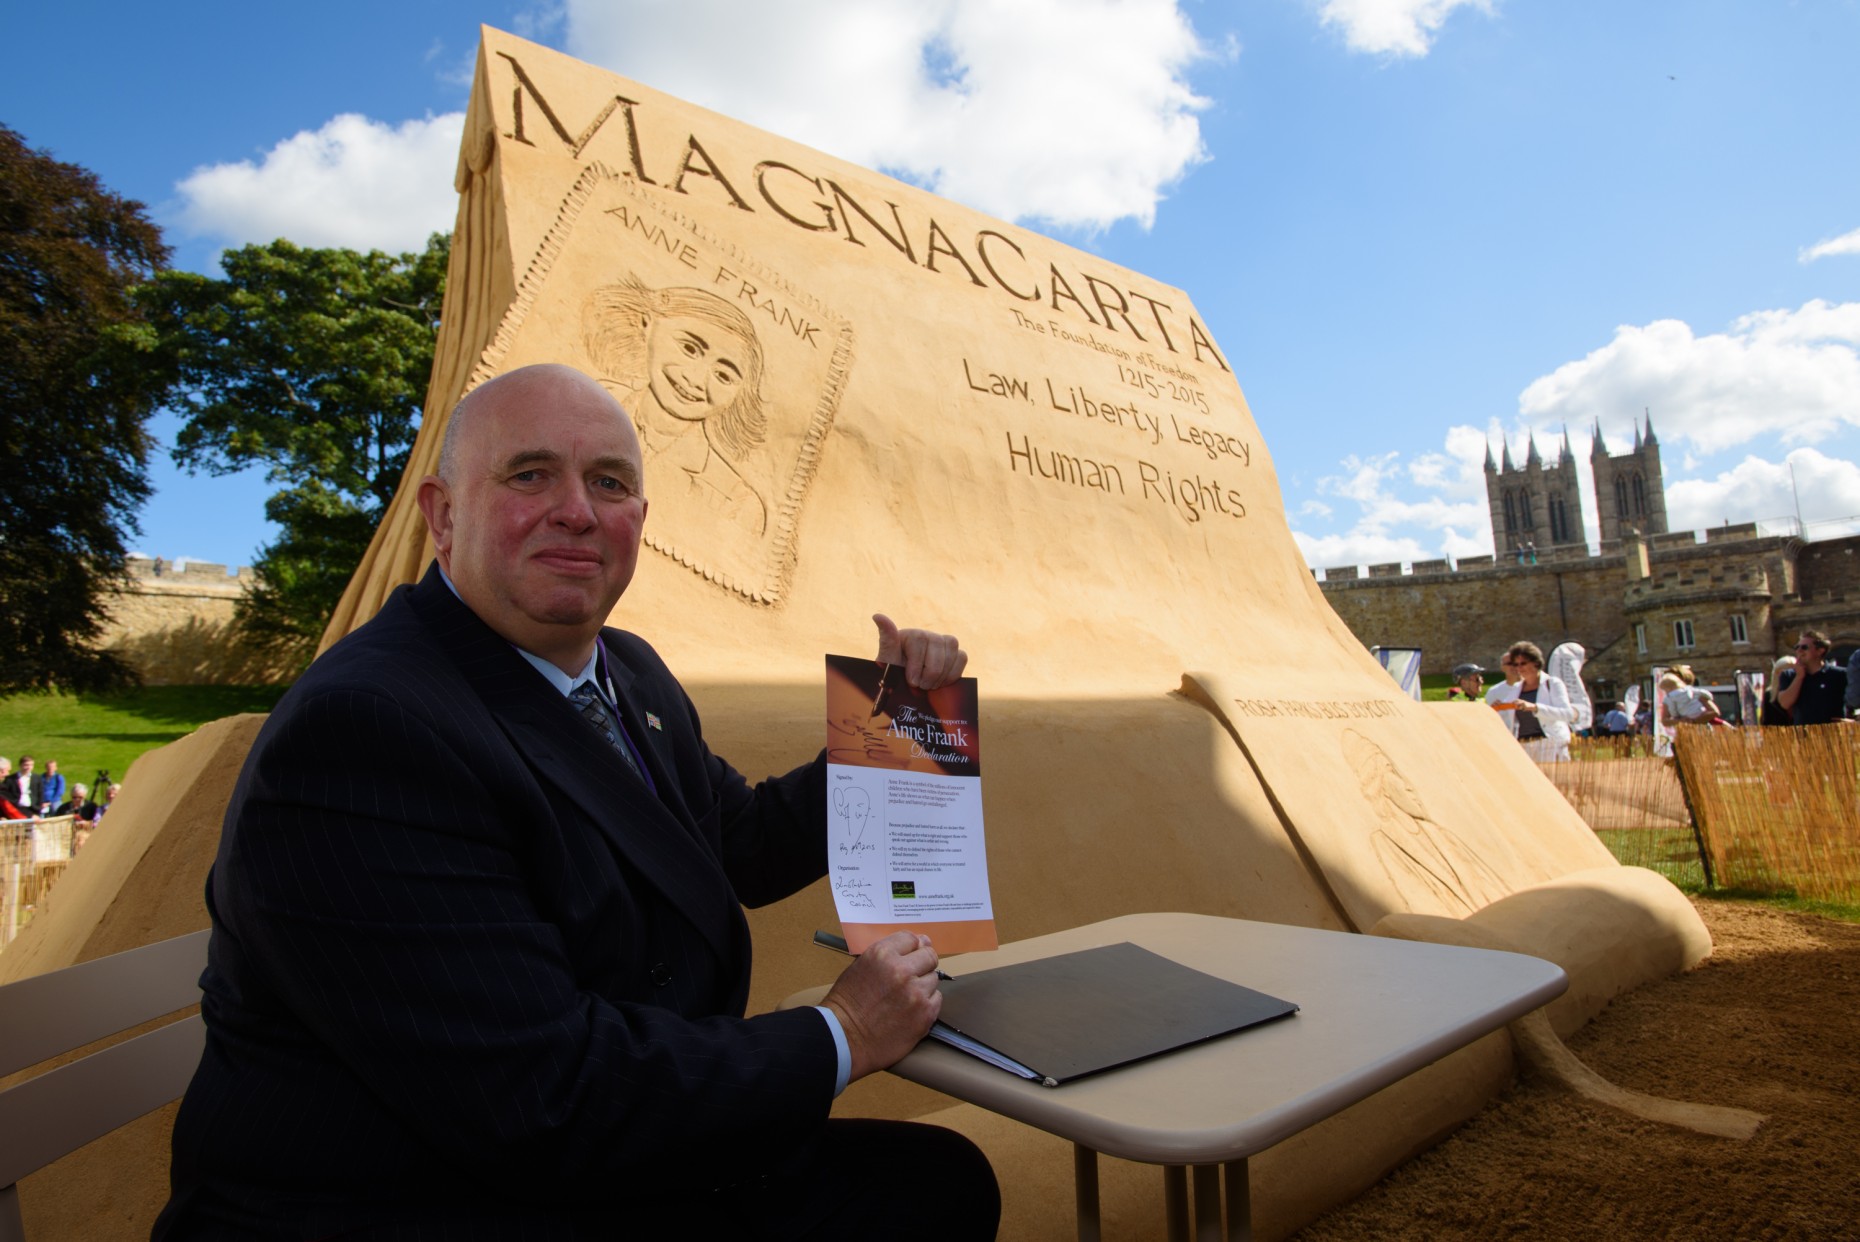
479	963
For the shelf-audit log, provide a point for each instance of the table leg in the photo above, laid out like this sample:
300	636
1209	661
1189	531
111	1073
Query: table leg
1207	1203
1239	1202
1085	1191
1175	1201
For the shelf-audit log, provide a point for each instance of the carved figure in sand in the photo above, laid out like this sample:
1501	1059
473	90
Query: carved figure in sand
1427	863
688	367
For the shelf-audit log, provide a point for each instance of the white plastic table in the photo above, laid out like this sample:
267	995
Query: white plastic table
1371	1011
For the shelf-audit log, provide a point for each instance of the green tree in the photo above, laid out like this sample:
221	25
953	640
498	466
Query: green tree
313	364
74	408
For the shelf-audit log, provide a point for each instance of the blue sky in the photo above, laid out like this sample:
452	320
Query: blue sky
1414	226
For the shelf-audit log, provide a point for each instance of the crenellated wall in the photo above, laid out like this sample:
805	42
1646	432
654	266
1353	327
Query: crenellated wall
174	626
1475	610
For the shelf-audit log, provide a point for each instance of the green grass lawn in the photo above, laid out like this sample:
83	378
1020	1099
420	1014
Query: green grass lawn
1674	854
1782	899
1434	686
85	733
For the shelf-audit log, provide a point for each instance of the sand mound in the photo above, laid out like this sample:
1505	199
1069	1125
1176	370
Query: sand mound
1768	1024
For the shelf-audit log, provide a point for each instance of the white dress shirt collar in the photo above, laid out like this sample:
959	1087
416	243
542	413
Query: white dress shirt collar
563	683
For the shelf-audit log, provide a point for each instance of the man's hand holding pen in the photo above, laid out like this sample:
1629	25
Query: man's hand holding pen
887	1000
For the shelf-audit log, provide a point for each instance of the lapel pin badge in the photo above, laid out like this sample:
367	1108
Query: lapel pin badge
652	722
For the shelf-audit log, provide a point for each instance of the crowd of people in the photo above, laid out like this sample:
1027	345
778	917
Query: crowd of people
29	794
1538	709
1803	688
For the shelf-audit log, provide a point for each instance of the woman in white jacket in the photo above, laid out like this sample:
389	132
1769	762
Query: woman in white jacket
1537	707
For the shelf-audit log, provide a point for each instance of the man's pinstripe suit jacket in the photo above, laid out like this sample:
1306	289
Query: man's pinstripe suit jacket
467	968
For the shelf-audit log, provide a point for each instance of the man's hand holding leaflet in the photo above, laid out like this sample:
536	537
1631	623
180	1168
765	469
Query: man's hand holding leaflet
479	963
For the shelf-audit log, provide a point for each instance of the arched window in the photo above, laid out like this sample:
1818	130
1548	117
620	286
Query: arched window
1621	509
1511	515
1524	511
1559	520
1640	497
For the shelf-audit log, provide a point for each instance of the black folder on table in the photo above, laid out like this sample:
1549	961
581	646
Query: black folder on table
1060	1018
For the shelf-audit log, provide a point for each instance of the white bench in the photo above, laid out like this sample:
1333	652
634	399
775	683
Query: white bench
57	1112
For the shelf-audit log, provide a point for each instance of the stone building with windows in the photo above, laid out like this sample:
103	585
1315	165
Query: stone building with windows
1726	600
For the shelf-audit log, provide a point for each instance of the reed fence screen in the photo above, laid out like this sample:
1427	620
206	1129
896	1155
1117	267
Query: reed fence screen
33	854
1634	803
1762	809
1776	808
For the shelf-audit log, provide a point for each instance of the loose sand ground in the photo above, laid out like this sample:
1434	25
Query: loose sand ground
1770	1023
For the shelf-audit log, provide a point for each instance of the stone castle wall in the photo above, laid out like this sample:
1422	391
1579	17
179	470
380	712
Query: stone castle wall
1830	568
174	626
1475	613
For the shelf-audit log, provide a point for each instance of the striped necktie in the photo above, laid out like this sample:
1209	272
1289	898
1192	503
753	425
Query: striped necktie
593	708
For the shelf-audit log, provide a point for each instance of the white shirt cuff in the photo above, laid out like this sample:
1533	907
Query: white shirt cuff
841	1049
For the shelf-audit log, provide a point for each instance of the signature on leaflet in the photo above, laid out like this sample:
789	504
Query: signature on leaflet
852	892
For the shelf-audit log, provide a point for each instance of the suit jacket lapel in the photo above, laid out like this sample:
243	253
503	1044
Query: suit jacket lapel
546	730
633	715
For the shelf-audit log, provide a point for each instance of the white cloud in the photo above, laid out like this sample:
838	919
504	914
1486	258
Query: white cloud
541	21
453	67
1828	488
1373	538
1795	374
1358	548
1435	470
1074	112
1774	379
1392	27
1363	477
1460	471
1846	243
355	182
1456	545
1429	513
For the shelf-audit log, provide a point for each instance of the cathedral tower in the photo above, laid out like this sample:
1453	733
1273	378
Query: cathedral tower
1534	506
1630	492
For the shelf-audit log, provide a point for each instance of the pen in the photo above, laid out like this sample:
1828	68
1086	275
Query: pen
876	700
827	940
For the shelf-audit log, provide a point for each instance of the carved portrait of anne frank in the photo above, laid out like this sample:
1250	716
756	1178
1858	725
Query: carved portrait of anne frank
733	412
687	366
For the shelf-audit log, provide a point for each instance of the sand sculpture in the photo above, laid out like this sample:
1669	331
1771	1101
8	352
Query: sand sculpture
853	394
